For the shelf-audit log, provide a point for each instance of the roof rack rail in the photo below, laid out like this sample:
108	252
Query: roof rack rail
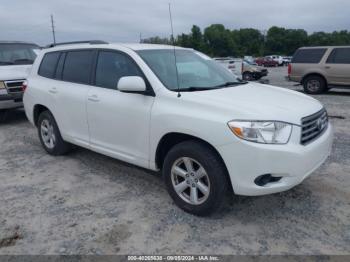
91	42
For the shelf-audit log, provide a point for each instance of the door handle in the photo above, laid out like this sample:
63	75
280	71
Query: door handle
53	90
93	98
327	67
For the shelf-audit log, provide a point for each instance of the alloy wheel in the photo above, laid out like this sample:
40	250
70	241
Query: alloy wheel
190	181
48	134
313	85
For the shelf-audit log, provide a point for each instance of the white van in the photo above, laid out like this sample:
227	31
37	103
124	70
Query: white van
16	59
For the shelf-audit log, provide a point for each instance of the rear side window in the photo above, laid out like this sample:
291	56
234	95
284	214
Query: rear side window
111	66
48	65
310	56
77	66
339	56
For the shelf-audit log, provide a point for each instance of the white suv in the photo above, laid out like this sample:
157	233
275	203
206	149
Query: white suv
16	59
209	132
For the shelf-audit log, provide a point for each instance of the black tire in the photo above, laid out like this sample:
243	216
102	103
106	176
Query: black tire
314	85
60	147
2	114
215	170
247	76
257	76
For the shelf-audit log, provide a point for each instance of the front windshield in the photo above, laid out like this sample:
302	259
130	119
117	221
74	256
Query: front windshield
17	54
195	70
249	62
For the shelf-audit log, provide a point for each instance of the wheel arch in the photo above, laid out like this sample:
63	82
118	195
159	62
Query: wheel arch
169	140
37	110
313	74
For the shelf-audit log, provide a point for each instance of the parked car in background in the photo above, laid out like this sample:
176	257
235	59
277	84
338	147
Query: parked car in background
16	59
287	60
251	71
321	68
233	64
266	61
208	131
277	58
249	59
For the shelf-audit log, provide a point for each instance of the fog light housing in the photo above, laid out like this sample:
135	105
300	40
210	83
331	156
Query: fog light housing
265	179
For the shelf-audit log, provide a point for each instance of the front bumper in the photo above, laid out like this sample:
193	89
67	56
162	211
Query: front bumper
260	74
293	162
11	101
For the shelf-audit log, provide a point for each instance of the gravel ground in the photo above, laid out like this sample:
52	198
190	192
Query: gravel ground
86	203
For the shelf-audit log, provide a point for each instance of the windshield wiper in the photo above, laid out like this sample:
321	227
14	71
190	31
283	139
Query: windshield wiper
195	88
229	84
5	63
23	61
203	88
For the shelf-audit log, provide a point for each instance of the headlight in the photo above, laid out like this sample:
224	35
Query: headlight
266	132
2	85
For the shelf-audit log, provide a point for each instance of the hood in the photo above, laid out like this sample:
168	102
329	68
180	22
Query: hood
252	67
254	101
259	68
14	72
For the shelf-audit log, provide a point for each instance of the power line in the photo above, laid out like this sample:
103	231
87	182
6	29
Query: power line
53	30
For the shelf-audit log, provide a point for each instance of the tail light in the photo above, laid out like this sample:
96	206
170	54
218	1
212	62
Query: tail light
242	68
289	69
24	85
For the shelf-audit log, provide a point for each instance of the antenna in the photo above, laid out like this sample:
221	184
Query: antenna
173	42
53	30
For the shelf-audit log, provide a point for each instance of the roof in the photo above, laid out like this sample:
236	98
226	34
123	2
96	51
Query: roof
136	46
133	46
17	42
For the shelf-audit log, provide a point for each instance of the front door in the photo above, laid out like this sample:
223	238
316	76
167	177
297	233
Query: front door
119	123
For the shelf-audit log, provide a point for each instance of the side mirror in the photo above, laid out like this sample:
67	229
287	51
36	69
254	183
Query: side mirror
131	84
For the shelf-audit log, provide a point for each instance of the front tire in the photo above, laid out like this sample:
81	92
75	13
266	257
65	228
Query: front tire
314	85
247	76
50	136
2	114
195	177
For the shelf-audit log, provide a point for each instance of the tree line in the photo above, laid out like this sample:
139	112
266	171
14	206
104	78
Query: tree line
216	40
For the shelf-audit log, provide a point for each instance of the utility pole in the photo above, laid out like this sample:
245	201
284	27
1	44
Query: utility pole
140	38
53	30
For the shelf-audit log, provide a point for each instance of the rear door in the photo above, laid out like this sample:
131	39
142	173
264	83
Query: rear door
119	122
74	71
338	66
307	60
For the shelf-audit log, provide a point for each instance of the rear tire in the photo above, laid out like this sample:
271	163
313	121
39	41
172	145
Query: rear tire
314	85
195	177
50	136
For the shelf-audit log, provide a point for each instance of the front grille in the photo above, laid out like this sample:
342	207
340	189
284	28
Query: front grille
313	126
14	86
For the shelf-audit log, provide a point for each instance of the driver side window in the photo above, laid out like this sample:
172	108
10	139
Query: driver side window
111	66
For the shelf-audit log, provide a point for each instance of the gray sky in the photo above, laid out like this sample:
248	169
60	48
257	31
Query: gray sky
123	20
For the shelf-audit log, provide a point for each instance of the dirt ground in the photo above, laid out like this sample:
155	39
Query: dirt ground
86	203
